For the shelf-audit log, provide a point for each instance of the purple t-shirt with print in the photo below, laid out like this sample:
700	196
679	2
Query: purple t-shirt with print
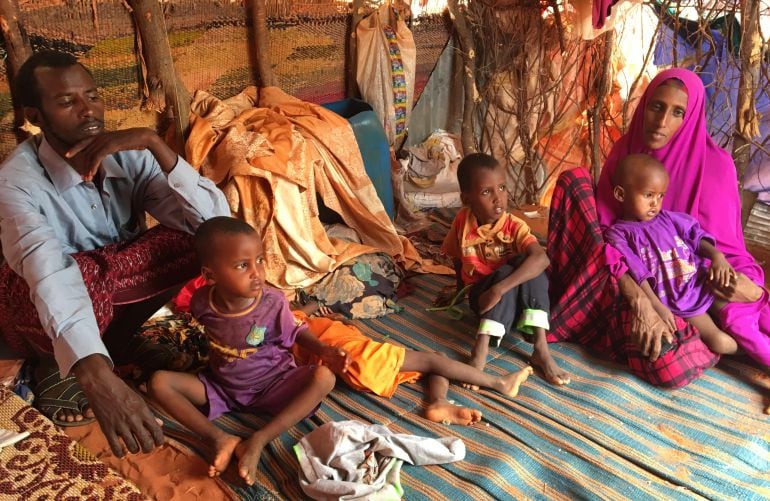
250	351
664	250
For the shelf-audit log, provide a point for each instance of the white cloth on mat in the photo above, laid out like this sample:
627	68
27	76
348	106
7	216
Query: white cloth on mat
351	460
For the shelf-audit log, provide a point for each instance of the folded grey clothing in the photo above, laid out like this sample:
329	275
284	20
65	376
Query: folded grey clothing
351	460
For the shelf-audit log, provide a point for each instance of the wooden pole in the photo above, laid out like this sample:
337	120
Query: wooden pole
262	42
18	48
602	89
468	51
163	91
357	14
747	119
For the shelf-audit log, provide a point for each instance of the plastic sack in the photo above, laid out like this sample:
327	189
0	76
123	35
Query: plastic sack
386	60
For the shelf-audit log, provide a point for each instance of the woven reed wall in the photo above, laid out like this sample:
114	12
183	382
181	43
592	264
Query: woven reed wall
210	44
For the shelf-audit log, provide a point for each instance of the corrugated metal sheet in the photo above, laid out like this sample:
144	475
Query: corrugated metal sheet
758	227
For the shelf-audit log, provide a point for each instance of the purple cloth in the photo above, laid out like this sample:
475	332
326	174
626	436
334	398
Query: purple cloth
251	367
704	184
663	250
703	180
601	11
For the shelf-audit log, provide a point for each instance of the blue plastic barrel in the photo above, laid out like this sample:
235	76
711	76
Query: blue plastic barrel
372	143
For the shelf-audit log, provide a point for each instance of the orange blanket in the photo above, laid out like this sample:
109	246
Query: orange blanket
272	154
374	366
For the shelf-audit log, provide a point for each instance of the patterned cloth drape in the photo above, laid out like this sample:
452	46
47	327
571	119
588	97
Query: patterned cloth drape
274	156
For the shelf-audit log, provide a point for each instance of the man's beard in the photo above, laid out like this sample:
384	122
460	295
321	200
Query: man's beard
50	133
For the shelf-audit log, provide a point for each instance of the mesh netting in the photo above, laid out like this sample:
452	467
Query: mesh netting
209	42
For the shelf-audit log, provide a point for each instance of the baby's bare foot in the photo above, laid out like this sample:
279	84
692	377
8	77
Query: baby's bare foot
224	447
444	412
248	454
510	384
542	360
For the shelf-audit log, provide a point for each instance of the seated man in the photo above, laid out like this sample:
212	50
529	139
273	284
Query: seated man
80	262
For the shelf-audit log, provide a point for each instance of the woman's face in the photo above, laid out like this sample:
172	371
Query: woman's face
664	114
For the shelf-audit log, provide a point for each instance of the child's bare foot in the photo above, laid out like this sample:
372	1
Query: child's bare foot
308	308
248	454
509	385
223	447
541	359
315	309
442	411
767	409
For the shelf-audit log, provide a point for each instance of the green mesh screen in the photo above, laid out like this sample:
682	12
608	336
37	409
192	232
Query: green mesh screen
209	42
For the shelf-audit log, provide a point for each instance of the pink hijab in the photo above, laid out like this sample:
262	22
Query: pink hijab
704	181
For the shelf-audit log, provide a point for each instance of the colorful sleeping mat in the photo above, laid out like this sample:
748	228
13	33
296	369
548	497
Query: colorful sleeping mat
606	435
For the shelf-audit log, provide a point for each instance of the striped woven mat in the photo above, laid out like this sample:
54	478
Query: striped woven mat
607	435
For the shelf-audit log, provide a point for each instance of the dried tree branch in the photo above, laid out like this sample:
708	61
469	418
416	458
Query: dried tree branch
747	124
164	91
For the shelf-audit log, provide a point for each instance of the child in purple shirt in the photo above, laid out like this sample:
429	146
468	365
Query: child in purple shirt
667	252
251	368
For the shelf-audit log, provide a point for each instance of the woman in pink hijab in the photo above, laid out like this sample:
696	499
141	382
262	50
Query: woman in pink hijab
596	302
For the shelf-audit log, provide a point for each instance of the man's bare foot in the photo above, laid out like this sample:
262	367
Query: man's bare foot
248	454
72	416
49	386
509	385
441	411
542	360
224	447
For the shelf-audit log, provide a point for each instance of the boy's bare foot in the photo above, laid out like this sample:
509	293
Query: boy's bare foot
542	360
509	385
224	447
442	411
248	454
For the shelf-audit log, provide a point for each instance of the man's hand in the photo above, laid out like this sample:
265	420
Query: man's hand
122	414
648	327
337	359
488	299
86	156
665	315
